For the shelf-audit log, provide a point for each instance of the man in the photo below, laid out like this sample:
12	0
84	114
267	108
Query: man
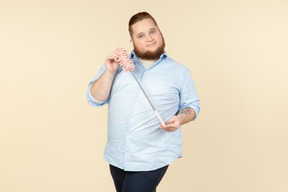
139	149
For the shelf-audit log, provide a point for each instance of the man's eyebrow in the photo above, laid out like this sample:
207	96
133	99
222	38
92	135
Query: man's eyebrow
151	29
139	33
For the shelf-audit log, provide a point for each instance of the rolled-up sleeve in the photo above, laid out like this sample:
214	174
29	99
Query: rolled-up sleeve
90	99
188	94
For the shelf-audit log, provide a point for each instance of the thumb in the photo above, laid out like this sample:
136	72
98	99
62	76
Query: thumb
170	121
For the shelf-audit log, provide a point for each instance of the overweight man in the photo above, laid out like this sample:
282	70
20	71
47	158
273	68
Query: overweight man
139	149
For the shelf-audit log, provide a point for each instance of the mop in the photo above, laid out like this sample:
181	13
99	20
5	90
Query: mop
127	64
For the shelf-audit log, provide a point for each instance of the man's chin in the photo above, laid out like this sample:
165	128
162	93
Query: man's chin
154	54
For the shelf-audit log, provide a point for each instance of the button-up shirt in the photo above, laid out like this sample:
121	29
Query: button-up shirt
135	140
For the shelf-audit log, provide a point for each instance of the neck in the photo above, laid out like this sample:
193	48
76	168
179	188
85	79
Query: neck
146	61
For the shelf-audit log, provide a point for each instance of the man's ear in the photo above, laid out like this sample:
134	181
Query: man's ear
131	41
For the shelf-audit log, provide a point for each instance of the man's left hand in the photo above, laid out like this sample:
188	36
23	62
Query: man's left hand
172	124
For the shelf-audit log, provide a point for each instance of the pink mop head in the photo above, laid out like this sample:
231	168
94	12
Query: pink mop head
124	59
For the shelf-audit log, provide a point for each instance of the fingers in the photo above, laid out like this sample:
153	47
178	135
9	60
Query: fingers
169	127
111	58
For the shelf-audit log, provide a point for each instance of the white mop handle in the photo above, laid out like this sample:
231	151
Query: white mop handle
157	114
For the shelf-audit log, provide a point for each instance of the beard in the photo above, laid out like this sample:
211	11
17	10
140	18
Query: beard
150	55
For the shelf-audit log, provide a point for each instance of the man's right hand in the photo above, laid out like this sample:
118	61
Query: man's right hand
100	88
111	63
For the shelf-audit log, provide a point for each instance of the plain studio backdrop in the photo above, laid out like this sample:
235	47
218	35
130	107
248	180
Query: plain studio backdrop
51	140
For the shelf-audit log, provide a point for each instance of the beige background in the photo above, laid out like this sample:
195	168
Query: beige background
51	140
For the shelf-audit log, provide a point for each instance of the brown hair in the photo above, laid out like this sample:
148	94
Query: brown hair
139	17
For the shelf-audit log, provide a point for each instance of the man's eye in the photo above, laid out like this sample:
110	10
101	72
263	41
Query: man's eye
152	32
140	36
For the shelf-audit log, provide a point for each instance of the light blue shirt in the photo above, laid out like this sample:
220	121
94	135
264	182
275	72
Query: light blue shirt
135	140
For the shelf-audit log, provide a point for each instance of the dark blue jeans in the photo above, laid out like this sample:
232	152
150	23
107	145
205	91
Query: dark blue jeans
142	181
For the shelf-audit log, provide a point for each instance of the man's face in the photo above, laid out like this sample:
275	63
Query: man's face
147	40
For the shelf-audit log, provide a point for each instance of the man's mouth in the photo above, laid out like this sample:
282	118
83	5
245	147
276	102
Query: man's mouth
152	44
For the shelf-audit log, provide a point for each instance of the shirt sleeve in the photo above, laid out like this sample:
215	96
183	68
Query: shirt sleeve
90	99
188	94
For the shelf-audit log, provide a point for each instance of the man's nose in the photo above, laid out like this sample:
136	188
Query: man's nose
149	37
